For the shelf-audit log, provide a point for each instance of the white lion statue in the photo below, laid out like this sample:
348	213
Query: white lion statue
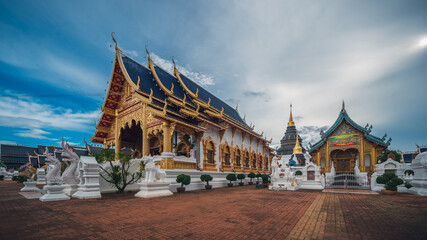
153	173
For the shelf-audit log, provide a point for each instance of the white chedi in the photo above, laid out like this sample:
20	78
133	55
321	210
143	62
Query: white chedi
419	182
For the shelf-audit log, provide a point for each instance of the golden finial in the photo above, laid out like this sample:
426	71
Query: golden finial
114	40
102	108
197	92
137	84
146	50
165	107
209	102
297	148
174	66
291	120
172	89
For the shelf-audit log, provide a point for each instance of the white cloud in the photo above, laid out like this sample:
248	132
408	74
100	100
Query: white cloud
8	143
27	113
34	133
200	78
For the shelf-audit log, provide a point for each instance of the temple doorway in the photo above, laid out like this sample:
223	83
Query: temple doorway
344	161
131	137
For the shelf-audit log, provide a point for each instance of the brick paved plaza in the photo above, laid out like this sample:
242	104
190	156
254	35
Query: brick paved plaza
227	213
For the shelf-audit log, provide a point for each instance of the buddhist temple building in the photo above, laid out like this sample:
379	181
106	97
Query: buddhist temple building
290	145
157	113
346	144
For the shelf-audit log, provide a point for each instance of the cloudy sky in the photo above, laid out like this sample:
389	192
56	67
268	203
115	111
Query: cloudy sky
56	58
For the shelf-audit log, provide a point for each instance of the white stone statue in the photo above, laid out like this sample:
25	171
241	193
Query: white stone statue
274	169
154	184
153	173
69	176
54	168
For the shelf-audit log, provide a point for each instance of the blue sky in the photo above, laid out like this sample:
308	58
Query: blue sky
56	58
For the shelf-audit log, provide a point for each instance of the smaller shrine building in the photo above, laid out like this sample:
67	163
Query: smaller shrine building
346	145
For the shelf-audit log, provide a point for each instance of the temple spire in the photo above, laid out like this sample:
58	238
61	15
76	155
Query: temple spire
343	105
297	148
291	120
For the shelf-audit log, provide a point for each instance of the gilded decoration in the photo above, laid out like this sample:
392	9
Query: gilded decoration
209	153
135	113
344	137
238	164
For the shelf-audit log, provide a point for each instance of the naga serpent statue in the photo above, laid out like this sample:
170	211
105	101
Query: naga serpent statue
51	176
68	155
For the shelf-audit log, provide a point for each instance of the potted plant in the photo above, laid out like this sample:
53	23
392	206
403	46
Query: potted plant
206	178
390	181
231	177
184	180
251	176
241	177
298	173
264	178
258	175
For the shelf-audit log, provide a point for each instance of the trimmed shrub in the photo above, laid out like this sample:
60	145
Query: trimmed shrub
241	176
298	173
251	176
258	175
183	179
408	184
264	178
231	177
206	178
381	180
390	180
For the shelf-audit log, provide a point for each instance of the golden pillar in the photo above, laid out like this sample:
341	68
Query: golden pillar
362	154
167	162
373	158
145	142
117	135
328	161
318	159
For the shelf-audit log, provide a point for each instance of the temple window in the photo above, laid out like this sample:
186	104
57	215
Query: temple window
254	161
322	162
209	151
226	154
237	157
260	162
182	149
367	160
266	163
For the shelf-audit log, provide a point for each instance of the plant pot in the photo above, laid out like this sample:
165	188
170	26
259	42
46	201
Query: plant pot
180	189
241	184
251	183
388	192
208	187
229	184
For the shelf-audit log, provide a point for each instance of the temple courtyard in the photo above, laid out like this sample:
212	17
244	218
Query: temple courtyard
223	213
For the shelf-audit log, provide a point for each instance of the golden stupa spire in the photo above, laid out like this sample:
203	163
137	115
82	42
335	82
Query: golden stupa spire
291	120
297	148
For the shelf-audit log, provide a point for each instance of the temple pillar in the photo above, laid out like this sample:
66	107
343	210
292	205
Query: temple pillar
362	155
318	159
373	158
167	161
328	160
145	142
117	136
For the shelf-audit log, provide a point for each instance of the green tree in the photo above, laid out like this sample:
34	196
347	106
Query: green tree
118	176
2	164
241	176
231	177
251	176
206	178
183	179
384	156
258	175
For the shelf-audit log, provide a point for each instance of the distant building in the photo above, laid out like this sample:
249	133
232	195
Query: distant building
410	155
14	156
290	145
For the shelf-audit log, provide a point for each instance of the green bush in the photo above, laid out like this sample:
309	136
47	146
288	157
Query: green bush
241	176
264	178
251	176
390	180
231	177
2	164
15	178
384	155
381	180
21	179
183	179
408	184
409	172
298	173
206	178
258	175
1	177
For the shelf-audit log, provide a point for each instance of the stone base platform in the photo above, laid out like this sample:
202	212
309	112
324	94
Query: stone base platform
153	189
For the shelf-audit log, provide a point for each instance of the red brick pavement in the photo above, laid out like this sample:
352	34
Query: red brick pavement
227	213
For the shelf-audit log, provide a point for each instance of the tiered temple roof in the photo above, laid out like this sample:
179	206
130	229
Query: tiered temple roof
174	96
343	116
289	140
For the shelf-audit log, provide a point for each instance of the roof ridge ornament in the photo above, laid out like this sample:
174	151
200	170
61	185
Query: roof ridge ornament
114	40
343	105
